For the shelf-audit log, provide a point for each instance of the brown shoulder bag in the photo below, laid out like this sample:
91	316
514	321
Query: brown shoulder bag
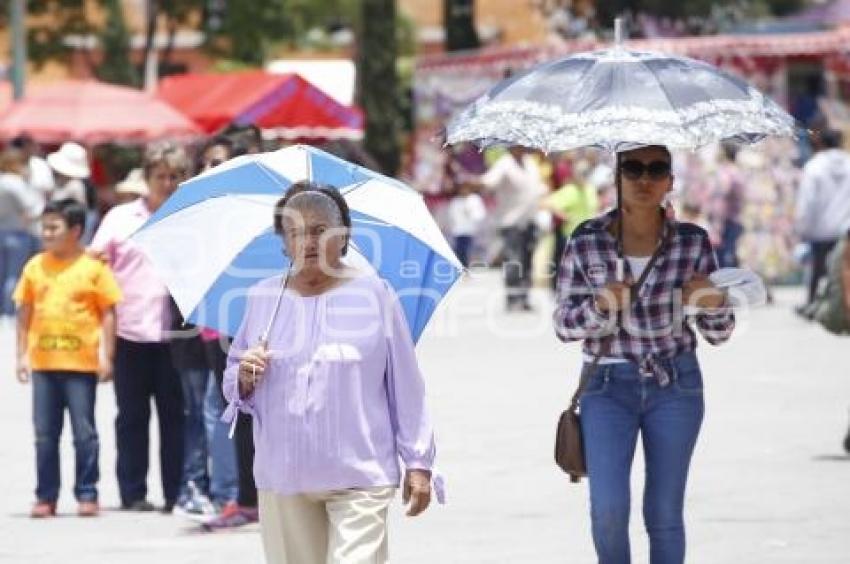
569	445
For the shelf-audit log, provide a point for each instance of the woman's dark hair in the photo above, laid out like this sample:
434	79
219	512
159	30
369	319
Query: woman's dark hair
72	212
217	141
831	138
661	148
310	186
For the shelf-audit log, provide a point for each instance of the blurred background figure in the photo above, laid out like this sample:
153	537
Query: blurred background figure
20	207
39	173
144	369
516	183
573	203
71	170
70	165
822	212
132	187
231	475
692	213
214	152
845	285
465	214
726	201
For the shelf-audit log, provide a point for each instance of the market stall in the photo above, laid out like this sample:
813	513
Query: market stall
91	113
281	105
445	83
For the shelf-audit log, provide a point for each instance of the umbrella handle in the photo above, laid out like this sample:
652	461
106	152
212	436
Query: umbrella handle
264	339
619	31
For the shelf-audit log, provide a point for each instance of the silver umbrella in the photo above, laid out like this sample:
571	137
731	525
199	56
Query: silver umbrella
617	98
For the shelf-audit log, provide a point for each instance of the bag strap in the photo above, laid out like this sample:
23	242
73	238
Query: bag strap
609	339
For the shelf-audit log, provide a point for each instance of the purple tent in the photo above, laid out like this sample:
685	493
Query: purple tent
830	14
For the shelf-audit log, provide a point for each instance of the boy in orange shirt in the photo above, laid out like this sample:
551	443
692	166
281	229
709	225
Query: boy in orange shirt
65	303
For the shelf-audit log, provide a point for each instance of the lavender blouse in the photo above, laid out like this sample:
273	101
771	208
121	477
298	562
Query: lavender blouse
342	398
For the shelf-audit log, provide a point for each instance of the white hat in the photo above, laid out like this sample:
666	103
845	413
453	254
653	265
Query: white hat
134	183
71	160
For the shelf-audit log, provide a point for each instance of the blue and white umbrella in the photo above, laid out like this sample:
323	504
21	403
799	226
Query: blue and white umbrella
214	239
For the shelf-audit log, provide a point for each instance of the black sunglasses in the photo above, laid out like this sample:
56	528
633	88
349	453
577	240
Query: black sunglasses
634	170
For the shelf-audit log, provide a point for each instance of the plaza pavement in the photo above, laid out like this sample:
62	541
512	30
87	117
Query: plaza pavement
769	483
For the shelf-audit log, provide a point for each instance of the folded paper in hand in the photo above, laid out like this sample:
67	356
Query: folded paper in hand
744	286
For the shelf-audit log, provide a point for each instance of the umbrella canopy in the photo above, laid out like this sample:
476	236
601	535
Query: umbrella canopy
283	102
616	98
223	221
93	112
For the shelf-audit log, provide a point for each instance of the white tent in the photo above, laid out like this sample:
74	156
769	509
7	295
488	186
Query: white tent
335	77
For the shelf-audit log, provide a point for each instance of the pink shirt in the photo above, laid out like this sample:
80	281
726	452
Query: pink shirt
143	315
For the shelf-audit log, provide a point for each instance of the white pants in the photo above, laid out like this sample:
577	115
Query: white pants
334	527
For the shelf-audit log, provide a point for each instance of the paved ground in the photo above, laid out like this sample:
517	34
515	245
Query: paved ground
770	483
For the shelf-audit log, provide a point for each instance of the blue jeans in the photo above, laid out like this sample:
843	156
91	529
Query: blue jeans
52	392
463	244
617	404
195	382
16	248
727	251
224	480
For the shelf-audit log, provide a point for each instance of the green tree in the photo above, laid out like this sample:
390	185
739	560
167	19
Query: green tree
59	18
378	82
115	41
247	30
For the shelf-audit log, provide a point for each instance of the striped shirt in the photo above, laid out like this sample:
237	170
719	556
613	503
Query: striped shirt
656	326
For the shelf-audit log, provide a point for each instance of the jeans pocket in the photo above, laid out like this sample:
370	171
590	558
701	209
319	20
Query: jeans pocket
689	381
597	384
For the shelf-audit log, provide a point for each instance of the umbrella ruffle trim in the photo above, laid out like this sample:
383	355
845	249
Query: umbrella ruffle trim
549	128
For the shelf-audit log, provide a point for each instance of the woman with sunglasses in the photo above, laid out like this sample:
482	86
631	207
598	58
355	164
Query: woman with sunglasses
643	374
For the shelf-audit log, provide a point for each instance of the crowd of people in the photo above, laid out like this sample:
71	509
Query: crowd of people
96	310
92	308
518	208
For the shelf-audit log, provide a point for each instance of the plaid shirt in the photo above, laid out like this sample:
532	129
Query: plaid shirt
656	326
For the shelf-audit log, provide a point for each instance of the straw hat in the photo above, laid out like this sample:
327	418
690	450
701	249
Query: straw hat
70	160
134	183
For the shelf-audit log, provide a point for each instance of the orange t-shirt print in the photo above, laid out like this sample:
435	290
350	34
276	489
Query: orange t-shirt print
68	300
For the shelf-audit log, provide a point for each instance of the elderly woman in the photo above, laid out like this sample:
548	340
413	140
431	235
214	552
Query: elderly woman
325	363
642	374
144	367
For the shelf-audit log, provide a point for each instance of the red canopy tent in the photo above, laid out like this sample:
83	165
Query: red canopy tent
92	112
284	103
